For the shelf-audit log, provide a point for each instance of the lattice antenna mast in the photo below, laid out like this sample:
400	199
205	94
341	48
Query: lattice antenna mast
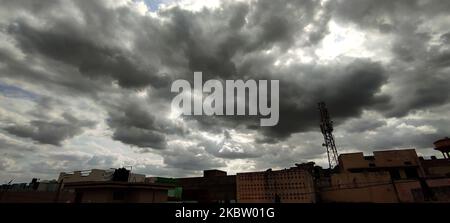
326	126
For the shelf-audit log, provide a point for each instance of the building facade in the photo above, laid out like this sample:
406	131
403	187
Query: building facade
391	176
96	175
294	185
117	192
214	187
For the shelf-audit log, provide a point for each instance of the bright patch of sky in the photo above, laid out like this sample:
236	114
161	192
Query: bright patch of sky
153	5
16	92
342	41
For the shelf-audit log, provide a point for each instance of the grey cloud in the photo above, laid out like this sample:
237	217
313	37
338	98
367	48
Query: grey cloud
363	125
105	161
54	163
92	60
50	132
387	14
347	90
303	148
192	158
229	148
391	138
140	137
302	87
83	48
238	29
419	87
9	147
445	38
6	163
418	72
166	171
135	124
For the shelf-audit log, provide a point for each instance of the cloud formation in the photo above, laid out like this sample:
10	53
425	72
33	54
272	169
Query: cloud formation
50	132
92	80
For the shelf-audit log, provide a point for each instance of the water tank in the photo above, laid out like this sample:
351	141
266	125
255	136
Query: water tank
442	144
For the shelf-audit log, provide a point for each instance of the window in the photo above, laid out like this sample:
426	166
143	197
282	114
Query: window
395	175
411	173
119	195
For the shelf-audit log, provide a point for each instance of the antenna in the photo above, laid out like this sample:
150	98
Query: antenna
9	183
326	126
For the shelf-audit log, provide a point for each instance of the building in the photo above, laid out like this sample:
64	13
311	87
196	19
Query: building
113	186
437	173
435	168
214	187
364	187
443	146
96	175
294	185
401	164
389	176
35	192
438	168
117	192
174	194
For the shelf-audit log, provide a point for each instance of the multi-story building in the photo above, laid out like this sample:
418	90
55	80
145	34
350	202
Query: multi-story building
34	192
115	186
174	194
401	164
118	192
388	176
214	187
435	168
96	175
438	168
294	185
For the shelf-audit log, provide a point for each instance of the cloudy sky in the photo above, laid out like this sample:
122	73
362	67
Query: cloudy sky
86	84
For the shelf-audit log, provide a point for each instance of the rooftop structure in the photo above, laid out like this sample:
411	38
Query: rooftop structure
443	145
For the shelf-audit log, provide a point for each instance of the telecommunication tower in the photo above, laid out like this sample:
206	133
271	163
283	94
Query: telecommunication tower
326	126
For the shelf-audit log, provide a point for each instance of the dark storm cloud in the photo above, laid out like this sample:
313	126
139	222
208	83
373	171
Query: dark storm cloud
140	137
364	125
419	70
241	30
102	53
347	90
69	81
238	30
445	38
420	82
93	60
387	14
50	132
211	38
133	123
